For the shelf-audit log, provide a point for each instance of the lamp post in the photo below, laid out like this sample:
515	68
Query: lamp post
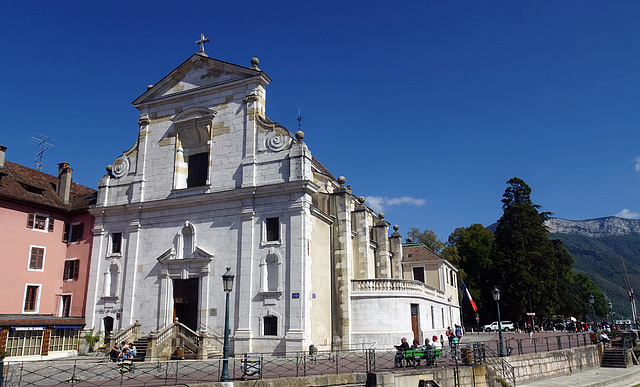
610	305
227	282
531	314
496	297
593	313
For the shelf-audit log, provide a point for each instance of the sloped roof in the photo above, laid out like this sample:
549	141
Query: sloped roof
29	186
418	252
321	168
7	320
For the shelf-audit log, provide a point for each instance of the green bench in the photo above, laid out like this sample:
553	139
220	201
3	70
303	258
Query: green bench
413	357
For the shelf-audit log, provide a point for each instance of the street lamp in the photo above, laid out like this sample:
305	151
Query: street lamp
610	305
531	314
227	282
496	297
593	314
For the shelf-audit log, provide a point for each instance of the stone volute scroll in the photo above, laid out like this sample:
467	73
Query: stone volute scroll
120	166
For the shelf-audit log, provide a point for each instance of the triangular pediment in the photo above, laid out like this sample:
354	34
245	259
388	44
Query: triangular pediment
200	255
199	73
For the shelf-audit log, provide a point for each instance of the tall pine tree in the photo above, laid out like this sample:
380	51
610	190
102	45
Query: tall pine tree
525	260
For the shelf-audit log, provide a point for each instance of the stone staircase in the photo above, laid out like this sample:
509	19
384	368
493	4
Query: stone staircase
141	345
614	357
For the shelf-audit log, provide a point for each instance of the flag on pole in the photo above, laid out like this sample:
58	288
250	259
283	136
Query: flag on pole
467	295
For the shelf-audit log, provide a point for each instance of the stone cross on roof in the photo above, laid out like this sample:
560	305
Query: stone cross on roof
201	42
299	119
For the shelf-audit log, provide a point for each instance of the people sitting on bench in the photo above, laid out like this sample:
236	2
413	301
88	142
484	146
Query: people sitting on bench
401	349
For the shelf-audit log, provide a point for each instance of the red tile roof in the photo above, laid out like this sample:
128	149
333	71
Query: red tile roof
415	252
23	184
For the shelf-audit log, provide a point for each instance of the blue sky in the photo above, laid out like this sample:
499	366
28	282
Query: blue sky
426	107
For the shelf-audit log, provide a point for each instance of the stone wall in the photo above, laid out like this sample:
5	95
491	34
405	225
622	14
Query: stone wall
543	365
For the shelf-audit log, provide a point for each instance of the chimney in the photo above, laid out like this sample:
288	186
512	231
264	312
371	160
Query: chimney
64	182
3	151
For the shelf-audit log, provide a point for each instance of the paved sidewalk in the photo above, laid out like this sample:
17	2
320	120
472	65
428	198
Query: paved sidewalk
593	377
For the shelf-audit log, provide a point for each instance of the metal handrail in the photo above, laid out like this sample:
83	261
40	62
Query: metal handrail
128	334
499	364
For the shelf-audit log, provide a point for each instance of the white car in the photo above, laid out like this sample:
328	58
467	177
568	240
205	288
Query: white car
506	326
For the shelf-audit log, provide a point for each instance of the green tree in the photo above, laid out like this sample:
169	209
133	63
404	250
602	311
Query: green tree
474	248
426	237
525	259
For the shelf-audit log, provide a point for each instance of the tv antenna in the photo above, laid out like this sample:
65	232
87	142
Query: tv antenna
44	142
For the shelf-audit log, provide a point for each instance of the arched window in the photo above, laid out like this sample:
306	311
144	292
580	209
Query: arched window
187	242
111	281
192	129
272	272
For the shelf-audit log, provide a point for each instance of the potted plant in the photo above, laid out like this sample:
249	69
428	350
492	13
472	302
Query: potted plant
92	339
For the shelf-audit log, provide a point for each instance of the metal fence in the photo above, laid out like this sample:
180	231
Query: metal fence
101	372
535	344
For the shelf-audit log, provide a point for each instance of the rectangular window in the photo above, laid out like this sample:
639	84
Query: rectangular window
24	343
418	274
71	270
36	260
39	222
433	319
270	326
198	170
73	232
31	298
273	229
65	305
116	243
64	340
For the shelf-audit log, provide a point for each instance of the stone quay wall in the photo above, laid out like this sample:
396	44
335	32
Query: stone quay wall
555	363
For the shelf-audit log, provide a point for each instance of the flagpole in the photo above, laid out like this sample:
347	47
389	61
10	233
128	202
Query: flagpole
461	313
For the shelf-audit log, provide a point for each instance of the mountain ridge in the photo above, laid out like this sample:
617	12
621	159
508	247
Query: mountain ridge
595	228
599	246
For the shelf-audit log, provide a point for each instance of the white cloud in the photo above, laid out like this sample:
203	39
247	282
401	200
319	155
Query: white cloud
628	214
637	163
380	203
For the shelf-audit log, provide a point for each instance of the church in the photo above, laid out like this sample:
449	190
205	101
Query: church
211	183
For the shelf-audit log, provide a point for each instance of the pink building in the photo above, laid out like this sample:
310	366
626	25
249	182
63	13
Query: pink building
45	250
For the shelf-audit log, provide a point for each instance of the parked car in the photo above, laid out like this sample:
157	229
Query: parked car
506	326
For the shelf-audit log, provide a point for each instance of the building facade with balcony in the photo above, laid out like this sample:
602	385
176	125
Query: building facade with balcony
212	183
46	250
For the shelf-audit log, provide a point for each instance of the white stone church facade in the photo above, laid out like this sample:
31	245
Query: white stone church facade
212	183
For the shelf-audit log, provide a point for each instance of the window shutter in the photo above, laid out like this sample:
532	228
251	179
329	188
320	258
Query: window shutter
76	269
50	224
30	220
65	235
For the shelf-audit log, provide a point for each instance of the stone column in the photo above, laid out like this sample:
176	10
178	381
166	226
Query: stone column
343	267
129	273
297	308
382	258
138	179
251	102
395	245
364	266
244	290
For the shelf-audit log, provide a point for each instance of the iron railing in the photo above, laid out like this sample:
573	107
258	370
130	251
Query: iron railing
499	365
162	372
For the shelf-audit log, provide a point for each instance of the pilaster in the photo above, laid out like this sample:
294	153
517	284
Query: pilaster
364	264
244	288
395	246
343	267
382	256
